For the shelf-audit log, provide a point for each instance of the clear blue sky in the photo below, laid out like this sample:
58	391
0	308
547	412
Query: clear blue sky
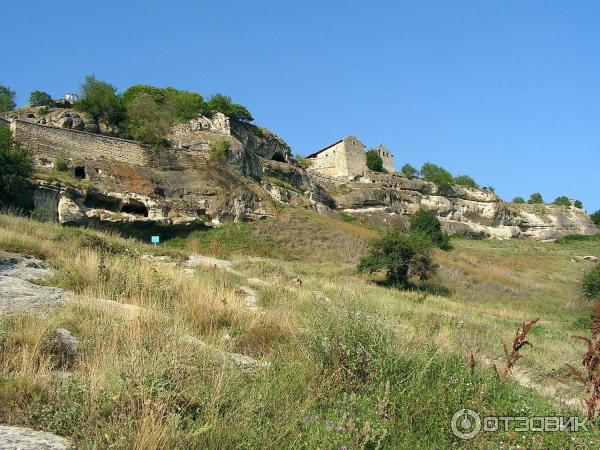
505	91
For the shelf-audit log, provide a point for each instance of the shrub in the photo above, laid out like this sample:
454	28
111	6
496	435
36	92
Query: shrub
7	99
347	217
43	111
100	100
40	98
591	283
438	175
465	180
518	200
489	188
225	105
429	226
409	170
303	162
535	198
596	218
402	256
16	168
147	121
218	150
374	161
562	201
578	204
61	161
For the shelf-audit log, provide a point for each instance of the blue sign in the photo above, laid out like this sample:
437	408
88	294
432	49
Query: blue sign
155	239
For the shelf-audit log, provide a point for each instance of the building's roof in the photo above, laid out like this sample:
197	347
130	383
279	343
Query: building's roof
312	155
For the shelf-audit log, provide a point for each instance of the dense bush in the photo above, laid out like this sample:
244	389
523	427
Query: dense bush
40	98
465	180
100	100
429	226
7	99
16	168
518	200
225	105
562	201
489	188
409	170
438	175
578	204
374	161
535	198
147	120
402	256
591	283
596	218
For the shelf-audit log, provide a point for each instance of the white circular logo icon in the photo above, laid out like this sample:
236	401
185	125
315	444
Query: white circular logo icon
466	424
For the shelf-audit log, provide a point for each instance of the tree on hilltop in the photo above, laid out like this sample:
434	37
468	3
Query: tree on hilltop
7	99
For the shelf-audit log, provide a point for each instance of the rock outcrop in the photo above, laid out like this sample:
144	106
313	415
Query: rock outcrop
394	198
21	438
126	185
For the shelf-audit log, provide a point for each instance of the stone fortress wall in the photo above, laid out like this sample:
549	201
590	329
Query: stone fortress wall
46	141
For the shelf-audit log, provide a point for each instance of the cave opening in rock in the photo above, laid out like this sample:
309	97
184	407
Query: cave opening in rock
79	172
97	200
278	157
135	207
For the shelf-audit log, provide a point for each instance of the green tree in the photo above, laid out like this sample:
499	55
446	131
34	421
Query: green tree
465	180
40	98
16	168
578	204
518	200
409	170
100	100
225	105
7	99
438	175
429	226
596	218
157	94
535	198
147	121
489	188
374	161
402	256
186	105
562	201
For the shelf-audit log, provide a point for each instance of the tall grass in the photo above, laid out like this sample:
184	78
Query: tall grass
351	365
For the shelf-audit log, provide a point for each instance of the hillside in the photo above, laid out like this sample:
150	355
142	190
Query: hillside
279	343
212	169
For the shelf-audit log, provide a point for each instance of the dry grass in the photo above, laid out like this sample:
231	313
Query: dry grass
137	384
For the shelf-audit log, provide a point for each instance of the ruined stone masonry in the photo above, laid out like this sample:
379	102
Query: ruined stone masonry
346	158
46	141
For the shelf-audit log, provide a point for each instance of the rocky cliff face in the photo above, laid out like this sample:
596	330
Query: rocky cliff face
393	198
184	187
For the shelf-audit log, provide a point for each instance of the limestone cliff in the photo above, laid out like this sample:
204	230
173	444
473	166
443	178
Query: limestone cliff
393	198
114	182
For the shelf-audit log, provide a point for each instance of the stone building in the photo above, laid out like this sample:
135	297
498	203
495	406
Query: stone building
345	157
386	156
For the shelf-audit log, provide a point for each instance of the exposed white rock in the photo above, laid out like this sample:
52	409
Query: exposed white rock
21	438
